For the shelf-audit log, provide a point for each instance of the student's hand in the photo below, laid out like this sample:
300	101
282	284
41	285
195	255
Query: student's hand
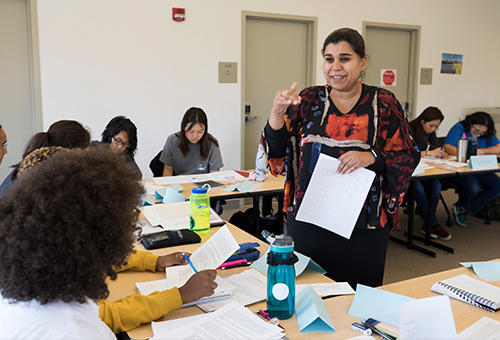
438	153
351	160
170	260
481	152
281	101
199	285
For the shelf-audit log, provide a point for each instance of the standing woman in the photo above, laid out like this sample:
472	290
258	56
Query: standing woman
192	150
121	136
475	191
362	126
423	129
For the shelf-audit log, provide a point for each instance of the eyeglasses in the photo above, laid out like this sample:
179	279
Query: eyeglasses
478	130
119	142
4	146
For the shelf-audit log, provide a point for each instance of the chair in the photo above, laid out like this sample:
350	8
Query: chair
449	185
156	165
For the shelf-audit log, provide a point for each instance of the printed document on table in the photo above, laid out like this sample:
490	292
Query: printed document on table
485	329
227	175
250	287
334	201
173	216
232	321
210	255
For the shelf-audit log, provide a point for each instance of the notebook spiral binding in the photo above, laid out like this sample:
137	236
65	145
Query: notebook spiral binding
473	299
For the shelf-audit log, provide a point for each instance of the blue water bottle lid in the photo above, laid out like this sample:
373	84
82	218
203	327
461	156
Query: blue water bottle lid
199	190
282	245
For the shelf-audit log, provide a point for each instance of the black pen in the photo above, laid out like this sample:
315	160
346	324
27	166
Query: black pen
246	264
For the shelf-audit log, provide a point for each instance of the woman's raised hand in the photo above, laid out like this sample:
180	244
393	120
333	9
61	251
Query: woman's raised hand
283	99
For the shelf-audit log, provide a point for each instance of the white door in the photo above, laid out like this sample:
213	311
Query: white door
276	55
392	48
16	109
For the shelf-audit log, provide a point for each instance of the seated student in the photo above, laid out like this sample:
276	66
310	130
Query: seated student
64	133
123	315
3	143
192	150
73	240
423	129
121	136
475	191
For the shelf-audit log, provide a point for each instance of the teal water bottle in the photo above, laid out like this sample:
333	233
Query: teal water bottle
281	278
199	211
472	146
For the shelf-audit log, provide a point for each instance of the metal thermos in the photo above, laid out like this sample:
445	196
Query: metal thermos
462	150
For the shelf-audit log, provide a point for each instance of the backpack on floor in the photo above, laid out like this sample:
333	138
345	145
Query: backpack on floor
491	210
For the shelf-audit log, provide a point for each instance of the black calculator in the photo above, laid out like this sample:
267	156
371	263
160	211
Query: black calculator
169	238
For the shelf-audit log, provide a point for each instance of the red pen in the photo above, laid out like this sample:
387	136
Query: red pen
232	263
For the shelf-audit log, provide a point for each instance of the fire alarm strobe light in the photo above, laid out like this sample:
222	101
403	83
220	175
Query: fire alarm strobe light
178	14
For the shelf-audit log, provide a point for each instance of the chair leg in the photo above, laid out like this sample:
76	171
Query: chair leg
449	222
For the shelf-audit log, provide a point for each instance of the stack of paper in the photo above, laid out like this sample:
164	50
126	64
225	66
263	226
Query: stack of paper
173	216
249	287
232	321
221	176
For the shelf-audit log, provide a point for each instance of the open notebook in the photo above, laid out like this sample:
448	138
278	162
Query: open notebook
223	290
470	290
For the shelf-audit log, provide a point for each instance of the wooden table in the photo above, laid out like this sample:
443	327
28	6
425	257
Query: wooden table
338	307
273	185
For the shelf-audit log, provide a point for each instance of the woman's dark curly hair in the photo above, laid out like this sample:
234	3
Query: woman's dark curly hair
115	126
480	118
65	225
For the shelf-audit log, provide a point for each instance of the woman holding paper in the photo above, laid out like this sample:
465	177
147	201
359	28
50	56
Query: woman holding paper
475	191
362	126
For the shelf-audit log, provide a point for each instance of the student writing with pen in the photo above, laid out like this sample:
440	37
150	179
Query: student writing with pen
423	129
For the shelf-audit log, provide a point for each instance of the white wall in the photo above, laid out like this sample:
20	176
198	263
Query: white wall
101	58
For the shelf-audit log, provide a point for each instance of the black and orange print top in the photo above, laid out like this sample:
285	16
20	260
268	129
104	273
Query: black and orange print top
376	122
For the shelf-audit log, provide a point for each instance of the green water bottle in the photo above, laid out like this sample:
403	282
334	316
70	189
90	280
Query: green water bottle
199	210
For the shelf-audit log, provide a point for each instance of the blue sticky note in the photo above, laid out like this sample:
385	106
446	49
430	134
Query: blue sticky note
377	304
246	186
488	271
303	262
311	312
172	196
483	162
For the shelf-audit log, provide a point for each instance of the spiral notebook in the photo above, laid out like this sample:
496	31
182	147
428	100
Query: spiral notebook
470	290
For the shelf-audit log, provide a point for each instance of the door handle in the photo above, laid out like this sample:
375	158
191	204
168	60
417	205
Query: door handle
248	116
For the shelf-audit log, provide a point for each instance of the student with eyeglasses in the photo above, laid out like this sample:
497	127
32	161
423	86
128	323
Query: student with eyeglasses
3	143
121	136
475	191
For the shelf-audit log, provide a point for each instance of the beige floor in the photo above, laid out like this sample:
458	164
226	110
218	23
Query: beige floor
477	242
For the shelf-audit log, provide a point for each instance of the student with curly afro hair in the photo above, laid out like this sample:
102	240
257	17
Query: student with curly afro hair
64	226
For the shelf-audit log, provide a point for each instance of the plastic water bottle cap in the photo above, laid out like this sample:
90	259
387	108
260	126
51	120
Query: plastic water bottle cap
199	190
282	245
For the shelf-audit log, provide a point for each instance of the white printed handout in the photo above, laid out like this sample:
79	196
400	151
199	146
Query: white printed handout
334	201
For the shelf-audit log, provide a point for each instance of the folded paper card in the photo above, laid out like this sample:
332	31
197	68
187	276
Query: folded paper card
244	186
300	266
147	200
488	271
311	312
416	322
378	304
483	162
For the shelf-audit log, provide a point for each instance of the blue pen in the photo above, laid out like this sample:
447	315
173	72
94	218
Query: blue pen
190	263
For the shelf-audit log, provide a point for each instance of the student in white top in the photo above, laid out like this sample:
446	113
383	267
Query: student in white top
60	240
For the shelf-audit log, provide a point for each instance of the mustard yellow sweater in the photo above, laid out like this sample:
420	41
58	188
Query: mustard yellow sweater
131	311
